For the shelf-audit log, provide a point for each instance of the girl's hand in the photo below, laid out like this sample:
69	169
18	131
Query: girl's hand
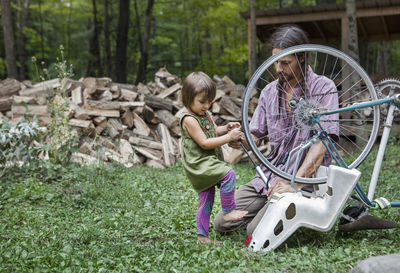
235	134
232	125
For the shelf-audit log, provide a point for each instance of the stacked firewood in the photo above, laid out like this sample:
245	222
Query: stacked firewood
129	124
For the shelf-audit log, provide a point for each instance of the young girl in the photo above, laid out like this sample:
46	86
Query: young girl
202	156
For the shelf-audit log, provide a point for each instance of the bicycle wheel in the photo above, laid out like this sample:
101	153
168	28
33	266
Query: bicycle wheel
320	79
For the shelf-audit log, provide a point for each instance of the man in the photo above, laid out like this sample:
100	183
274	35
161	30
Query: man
274	119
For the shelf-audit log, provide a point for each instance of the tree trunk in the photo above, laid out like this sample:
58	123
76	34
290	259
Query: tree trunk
23	22
141	75
253	38
383	58
9	43
326	2
41	30
122	41
107	47
379	59
353	83
352	29
69	28
138	26
94	66
387	58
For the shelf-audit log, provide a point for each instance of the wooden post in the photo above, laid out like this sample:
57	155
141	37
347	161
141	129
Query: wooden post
252	39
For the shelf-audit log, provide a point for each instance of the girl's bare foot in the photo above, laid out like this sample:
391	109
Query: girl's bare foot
206	241
234	215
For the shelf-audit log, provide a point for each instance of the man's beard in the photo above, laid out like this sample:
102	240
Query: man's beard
283	77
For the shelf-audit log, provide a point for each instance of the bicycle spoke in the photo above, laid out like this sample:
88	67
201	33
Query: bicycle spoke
337	82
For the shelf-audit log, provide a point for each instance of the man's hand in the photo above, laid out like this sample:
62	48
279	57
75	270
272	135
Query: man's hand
236	144
280	186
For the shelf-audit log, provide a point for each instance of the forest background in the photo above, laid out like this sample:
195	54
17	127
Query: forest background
129	40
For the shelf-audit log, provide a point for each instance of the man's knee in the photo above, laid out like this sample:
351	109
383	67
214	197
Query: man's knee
251	227
221	226
256	220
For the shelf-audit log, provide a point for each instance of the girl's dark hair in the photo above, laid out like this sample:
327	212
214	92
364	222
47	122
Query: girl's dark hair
195	83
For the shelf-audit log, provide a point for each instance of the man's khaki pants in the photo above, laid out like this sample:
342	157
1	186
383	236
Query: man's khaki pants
246	199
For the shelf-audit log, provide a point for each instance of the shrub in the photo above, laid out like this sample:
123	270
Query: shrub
19	142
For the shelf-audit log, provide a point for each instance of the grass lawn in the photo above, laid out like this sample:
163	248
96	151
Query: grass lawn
111	219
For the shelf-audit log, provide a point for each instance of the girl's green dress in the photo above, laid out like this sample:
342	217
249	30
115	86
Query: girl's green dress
204	168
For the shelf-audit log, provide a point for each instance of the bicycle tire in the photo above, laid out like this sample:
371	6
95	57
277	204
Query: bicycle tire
344	60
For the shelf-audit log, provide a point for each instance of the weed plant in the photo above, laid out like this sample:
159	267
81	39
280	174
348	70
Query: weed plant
60	137
111	219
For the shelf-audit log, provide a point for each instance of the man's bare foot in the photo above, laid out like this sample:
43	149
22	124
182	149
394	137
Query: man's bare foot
206	241
234	215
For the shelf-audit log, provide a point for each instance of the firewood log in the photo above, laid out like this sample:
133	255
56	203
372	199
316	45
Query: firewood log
131	104
127	119
115	156
85	159
139	141
148	114
103	82
143	89
5	103
76	96
147	153
19	99
41	89
98	120
167	146
165	79
90	85
106	95
127	153
107	105
86	148
78	112
116	91
159	103
219	94
128	95
167	118
9	87
170	90
39	110
93	111
140	126
230	106
100	127
87	124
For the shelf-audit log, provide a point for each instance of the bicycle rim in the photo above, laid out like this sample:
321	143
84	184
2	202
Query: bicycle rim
357	129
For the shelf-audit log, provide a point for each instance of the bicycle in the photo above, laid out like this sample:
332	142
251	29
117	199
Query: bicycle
357	116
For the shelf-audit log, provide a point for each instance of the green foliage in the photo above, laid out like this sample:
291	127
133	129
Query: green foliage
207	35
61	138
186	35
17	142
111	219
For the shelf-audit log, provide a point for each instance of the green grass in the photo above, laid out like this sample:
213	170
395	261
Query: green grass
111	219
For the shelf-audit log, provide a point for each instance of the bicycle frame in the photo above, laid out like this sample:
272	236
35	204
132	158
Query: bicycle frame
394	102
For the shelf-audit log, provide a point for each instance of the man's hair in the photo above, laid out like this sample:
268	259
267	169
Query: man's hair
195	83
288	35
